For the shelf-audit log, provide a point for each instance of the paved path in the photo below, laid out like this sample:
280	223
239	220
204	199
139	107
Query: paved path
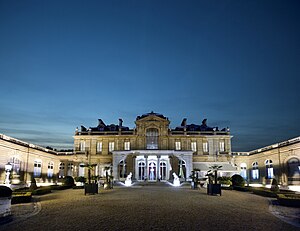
151	208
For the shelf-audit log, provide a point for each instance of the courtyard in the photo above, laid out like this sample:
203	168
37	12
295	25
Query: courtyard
150	207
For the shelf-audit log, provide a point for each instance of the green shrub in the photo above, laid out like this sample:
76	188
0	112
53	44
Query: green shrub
291	200
33	185
225	180
237	180
21	197
41	191
264	192
5	191
60	187
274	186
80	179
68	181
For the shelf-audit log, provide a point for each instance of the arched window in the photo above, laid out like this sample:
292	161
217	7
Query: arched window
141	167
81	169
152	138
244	170
163	170
269	169
255	171
37	168
293	170
122	169
16	164
50	169
182	169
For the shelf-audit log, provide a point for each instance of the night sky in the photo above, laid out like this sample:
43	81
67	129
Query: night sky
67	63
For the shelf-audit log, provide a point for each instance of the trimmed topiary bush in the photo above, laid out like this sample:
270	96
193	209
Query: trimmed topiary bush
33	185
5	191
69	181
291	200
238	180
41	191
274	186
21	197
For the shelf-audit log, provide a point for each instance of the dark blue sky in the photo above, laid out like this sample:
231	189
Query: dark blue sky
67	63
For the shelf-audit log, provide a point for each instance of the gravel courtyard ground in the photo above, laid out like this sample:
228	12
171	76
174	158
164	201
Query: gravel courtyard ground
151	208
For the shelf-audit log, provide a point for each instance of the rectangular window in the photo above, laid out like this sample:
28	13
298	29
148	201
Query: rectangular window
50	170
222	146
255	174
205	147
194	146
270	172
127	145
177	145
111	146
99	146
37	170
82	146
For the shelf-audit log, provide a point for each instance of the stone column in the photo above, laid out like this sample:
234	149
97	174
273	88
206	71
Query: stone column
158	168
146	170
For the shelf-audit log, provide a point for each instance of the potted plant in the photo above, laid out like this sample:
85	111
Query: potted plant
89	187
213	187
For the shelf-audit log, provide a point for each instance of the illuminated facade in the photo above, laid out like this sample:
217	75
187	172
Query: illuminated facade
152	151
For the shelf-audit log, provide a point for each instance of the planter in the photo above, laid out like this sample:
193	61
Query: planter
91	188
213	189
5	201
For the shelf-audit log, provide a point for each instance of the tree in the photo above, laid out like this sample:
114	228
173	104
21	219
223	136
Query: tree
213	171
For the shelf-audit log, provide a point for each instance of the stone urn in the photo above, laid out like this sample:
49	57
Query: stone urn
5	201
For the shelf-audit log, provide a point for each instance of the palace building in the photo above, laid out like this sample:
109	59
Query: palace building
151	151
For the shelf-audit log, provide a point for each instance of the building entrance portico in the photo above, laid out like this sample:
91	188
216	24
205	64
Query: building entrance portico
152	165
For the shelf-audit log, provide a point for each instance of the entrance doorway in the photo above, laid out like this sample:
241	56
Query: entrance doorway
152	171
163	171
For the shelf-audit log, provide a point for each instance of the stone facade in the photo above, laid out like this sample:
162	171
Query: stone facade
280	161
151	151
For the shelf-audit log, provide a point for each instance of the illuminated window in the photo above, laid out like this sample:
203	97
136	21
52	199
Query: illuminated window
244	170
222	146
177	145
111	146
126	145
163	170
205	147
61	170
16	164
122	169
50	169
255	171
181	169
99	146
70	169
37	169
293	169
194	146
269	169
